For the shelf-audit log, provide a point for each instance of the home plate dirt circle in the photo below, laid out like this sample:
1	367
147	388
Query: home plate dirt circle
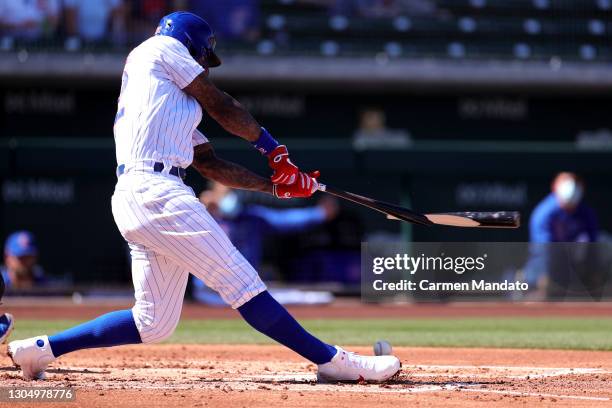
148	375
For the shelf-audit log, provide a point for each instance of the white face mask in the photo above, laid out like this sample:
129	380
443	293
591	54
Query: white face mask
568	192
229	205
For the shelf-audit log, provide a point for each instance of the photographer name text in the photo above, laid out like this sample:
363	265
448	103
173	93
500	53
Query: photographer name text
426	285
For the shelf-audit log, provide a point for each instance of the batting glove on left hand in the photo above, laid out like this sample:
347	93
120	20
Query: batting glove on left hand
305	186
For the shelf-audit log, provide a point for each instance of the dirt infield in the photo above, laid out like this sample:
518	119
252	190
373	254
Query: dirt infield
267	376
253	376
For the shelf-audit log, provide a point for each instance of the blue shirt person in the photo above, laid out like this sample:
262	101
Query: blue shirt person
248	225
562	216
551	222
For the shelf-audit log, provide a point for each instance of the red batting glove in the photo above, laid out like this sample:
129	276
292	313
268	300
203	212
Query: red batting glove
285	172
305	186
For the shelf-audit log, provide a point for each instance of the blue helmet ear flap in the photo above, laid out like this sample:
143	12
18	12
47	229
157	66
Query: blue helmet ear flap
191	46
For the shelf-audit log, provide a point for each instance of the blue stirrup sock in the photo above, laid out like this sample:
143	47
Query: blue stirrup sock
111	329
267	316
262	312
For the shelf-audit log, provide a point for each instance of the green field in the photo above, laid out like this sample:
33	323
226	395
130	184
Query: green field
546	333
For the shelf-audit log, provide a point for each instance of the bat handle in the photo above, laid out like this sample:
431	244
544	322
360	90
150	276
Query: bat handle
322	187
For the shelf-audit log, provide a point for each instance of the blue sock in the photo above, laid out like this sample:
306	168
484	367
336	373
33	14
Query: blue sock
111	329
267	316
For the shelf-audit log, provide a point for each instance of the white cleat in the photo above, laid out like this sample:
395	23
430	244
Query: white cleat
346	366
32	355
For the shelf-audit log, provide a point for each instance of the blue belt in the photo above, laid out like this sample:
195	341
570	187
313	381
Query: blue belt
158	167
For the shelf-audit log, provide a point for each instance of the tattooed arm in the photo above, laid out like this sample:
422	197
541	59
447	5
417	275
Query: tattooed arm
206	162
223	108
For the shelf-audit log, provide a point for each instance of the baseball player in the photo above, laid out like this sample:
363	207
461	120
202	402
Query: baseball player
164	88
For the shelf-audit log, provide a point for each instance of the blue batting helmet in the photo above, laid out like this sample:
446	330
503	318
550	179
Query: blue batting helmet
195	34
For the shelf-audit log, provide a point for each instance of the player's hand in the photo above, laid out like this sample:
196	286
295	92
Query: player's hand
285	172
305	186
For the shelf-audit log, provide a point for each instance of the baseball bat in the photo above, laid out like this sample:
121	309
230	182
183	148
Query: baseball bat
469	219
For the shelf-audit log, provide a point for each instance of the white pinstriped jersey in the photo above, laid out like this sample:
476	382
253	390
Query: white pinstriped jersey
156	120
169	231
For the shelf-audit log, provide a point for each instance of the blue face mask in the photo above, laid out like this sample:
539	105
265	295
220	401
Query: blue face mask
230	206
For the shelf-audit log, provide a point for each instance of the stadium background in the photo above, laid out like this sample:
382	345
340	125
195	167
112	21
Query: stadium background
496	97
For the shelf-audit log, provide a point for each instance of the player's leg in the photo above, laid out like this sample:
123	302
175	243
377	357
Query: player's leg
159	289
34	354
240	286
159	286
205	250
195	240
269	317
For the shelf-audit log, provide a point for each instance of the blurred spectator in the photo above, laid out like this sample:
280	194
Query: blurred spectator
95	21
562	216
29	19
384	8
246	224
247	227
21	269
230	19
373	132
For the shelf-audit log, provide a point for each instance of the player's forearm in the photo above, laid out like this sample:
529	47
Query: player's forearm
236	176
224	109
227	173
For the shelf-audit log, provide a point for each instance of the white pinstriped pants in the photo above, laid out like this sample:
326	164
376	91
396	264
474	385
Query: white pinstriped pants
171	234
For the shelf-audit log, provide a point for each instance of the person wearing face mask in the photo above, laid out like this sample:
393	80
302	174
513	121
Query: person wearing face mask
247	225
562	216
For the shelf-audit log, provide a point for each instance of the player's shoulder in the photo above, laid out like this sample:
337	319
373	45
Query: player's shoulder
150	46
160	48
163	43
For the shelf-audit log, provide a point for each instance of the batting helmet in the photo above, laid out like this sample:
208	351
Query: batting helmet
193	32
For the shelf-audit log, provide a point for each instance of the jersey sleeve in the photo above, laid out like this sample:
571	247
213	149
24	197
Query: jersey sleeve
198	138
179	64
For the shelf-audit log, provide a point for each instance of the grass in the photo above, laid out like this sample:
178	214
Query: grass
541	333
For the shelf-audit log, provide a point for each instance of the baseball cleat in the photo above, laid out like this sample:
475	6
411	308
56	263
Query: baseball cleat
7	322
347	366
32	355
